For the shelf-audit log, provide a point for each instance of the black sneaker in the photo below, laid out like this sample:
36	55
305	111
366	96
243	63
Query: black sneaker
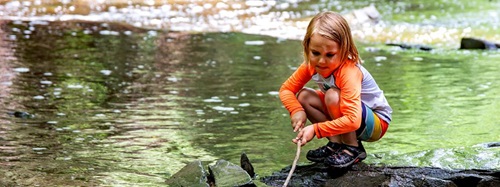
341	159
319	155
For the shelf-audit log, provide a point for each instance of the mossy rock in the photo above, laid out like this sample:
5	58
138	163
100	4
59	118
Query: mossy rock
192	174
225	173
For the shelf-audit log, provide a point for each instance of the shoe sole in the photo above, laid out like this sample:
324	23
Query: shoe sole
360	158
317	160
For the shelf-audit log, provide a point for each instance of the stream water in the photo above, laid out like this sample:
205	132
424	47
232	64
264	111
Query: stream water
107	94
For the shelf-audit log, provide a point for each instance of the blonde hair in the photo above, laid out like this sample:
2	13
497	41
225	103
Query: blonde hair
334	27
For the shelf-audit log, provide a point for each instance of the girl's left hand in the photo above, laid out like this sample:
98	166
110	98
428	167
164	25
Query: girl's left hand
305	135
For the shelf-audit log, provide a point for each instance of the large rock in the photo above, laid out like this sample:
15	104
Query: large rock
192	174
221	174
225	173
365	175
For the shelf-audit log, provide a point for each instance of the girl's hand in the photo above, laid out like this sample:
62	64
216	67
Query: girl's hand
298	120
305	135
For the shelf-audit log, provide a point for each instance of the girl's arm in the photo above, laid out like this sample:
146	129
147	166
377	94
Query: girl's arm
348	79
292	86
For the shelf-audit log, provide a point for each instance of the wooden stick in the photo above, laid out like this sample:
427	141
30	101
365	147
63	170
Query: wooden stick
294	164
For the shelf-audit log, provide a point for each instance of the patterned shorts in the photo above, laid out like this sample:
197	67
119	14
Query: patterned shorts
372	128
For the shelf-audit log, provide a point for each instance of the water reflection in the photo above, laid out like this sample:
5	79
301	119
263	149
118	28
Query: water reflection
125	108
120	105
133	107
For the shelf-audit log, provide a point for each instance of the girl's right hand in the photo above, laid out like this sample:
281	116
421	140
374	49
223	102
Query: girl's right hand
305	135
298	120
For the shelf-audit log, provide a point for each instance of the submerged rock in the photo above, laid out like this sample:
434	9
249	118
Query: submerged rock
364	175
20	114
411	46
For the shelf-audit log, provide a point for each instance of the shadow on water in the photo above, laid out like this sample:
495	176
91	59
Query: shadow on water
117	105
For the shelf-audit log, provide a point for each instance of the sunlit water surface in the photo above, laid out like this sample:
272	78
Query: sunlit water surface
439	23
116	105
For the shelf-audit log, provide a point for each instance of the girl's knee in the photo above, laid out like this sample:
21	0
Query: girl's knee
332	96
305	94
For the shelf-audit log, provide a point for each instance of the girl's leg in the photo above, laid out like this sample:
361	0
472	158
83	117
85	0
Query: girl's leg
325	107
313	103
371	129
332	101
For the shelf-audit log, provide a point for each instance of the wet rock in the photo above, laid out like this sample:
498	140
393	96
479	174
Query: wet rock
246	165
225	173
221	174
474	43
365	175
192	174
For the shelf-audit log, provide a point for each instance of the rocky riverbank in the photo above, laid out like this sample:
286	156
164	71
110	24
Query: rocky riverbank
366	175
224	173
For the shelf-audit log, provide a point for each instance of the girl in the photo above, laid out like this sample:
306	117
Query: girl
348	107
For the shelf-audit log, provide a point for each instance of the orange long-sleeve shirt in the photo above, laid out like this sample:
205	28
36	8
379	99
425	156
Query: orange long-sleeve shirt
347	78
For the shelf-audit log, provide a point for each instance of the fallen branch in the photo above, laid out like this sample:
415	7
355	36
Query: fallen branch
294	164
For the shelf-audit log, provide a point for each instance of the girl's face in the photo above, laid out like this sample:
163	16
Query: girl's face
323	55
